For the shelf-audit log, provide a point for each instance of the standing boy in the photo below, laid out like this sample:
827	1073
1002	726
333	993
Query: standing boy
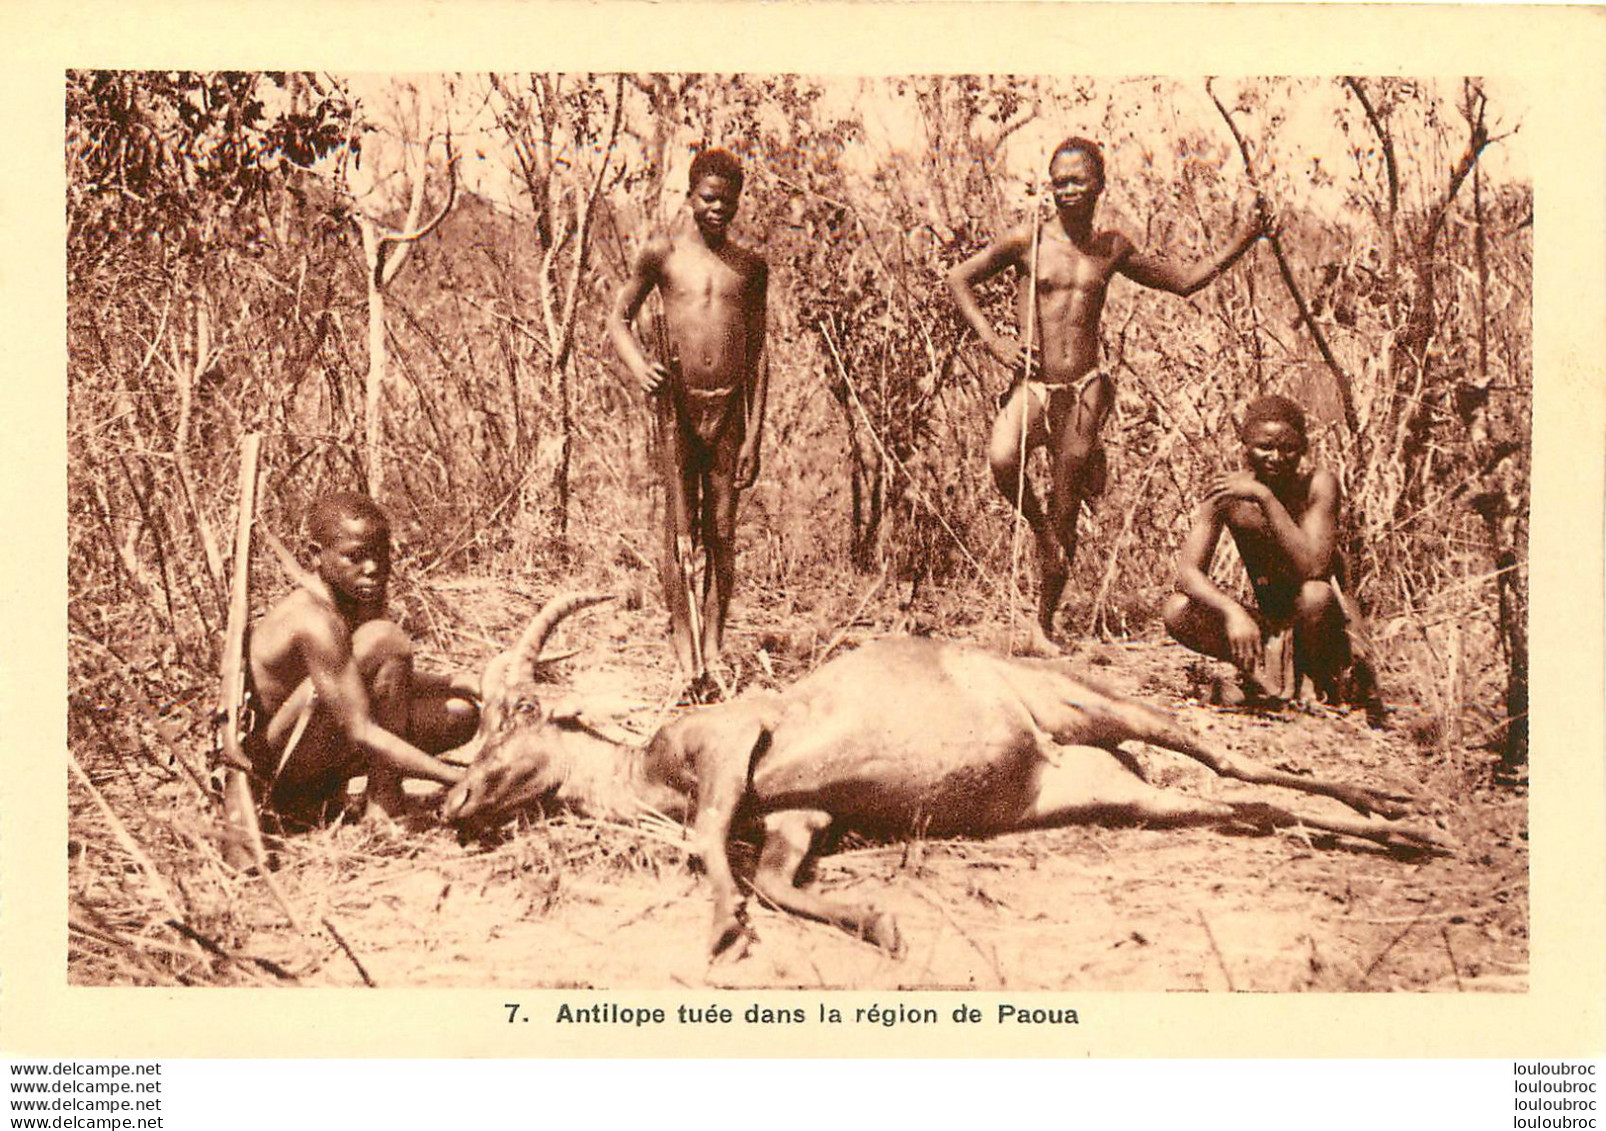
708	384
1284	521
1061	397
334	689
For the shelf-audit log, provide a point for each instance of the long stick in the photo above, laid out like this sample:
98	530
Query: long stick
663	421
1341	378
1025	418
233	688
239	807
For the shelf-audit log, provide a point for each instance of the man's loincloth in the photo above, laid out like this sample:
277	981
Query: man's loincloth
1058	399
1278	677
1053	394
707	423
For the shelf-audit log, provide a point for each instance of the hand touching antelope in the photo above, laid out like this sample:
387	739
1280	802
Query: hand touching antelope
905	733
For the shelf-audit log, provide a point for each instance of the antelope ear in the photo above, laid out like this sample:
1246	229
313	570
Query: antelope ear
556	657
569	709
572	709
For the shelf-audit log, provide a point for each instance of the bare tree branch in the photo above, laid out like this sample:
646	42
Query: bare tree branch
1340	378
1390	168
404	239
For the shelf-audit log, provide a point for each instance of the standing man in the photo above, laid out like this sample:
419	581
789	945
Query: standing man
707	383
1061	397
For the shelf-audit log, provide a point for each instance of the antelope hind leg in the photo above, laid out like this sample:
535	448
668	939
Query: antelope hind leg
1393	834
1090	784
1363	799
788	839
1160	731
1074	711
1080	784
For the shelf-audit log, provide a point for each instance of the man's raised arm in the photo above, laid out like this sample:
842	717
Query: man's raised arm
1163	275
1310	542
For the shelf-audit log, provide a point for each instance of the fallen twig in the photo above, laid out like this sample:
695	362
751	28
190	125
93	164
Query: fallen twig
1216	950
158	886
351	954
842	633
1444	933
1366	975
990	956
211	947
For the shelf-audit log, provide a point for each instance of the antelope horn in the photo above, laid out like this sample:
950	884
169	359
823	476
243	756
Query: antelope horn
521	658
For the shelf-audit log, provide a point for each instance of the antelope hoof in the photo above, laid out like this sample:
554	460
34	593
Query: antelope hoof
1372	801
730	939
1424	839
881	930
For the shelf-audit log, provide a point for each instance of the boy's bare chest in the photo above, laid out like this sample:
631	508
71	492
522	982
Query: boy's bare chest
690	275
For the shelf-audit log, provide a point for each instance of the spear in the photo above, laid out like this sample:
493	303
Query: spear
1026	405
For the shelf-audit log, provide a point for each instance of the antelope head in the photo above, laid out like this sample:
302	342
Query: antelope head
525	750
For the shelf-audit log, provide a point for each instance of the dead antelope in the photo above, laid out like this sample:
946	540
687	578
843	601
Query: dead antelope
905	733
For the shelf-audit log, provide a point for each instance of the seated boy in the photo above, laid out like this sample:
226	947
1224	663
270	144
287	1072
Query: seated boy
332	681
1284	521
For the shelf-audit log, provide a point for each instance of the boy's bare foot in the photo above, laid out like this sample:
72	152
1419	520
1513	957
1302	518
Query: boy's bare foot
702	689
1038	643
382	817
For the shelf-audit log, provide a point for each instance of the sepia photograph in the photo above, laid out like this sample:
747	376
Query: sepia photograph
649	530
548	530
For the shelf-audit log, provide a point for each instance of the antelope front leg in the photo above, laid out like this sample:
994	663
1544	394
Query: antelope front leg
788	838
723	739
715	811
